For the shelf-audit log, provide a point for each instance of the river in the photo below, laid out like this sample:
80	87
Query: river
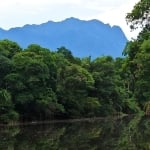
128	133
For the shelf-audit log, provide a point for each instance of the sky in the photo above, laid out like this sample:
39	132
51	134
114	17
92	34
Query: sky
16	13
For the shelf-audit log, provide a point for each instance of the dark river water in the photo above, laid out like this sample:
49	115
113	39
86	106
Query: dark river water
129	133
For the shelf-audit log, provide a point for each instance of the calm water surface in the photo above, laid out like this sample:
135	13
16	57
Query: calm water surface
122	134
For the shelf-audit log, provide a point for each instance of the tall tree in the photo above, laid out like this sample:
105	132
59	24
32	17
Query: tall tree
138	52
9	48
7	113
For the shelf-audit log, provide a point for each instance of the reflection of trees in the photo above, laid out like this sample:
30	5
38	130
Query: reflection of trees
43	137
147	108
144	134
123	134
127	136
135	135
8	137
80	136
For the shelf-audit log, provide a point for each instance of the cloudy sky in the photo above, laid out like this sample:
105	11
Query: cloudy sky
14	13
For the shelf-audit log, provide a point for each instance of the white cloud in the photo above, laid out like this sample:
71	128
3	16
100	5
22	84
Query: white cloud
19	12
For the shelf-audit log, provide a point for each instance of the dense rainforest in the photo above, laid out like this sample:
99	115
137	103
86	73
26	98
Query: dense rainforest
39	84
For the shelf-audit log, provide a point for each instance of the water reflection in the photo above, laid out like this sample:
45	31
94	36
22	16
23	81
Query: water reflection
123	134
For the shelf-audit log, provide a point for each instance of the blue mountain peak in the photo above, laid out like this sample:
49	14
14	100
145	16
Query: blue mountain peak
83	37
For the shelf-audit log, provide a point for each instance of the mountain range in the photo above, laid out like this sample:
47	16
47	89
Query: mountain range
83	38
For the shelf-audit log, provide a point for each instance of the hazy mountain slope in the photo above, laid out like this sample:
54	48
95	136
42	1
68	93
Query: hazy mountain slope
83	38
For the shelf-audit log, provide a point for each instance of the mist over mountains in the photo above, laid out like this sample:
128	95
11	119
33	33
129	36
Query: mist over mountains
84	38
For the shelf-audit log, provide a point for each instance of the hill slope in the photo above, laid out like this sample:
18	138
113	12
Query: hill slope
83	38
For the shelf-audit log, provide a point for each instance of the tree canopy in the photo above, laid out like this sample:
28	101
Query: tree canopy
140	14
38	84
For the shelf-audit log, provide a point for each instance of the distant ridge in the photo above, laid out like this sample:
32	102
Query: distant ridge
84	38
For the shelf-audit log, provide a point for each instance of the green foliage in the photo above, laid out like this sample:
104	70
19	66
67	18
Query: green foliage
91	107
106	82
7	114
138	54
140	14
9	48
10	117
143	71
72	88
6	67
67	54
147	108
138	66
5	99
37	84
131	106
